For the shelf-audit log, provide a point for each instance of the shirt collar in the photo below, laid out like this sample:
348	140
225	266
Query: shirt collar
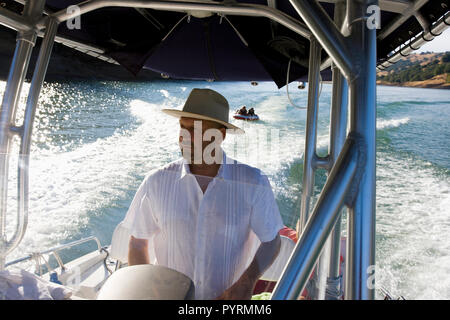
223	169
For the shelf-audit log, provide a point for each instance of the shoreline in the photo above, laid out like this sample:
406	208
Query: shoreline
444	86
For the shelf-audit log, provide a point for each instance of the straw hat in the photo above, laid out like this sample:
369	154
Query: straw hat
206	104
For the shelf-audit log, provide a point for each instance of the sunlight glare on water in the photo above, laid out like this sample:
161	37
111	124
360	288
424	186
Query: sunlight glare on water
93	143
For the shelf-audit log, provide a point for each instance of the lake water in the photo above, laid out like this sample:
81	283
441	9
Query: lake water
95	141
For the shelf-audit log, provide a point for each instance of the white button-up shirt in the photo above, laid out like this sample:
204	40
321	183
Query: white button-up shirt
211	237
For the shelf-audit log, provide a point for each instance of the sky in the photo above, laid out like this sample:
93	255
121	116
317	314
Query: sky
439	44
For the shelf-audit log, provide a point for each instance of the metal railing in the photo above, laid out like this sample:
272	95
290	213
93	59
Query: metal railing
414	44
16	76
54	251
351	180
188	6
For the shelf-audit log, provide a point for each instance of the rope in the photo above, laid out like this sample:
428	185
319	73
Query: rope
387	60
412	48
287	86
423	33
235	30
388	296
434	35
104	260
403	55
186	16
334	290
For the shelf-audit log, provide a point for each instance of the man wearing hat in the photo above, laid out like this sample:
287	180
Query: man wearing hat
206	215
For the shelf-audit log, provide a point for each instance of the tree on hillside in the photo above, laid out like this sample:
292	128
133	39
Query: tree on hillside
406	71
447	68
446	57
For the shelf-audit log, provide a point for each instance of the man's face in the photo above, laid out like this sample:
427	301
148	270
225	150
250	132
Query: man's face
199	139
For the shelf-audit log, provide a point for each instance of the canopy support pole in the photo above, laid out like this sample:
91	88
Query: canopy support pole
328	35
352	178
360	277
17	72
338	131
14	21
322	220
310	154
327	274
183	6
311	133
19	66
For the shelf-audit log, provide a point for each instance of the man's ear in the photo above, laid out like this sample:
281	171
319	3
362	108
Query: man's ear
224	132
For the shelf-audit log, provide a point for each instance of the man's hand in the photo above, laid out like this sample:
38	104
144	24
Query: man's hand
138	251
240	290
264	257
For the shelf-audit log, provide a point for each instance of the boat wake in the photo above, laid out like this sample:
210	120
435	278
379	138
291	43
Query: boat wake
391	123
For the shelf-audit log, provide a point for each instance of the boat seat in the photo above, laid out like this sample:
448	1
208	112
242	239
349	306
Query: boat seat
275	270
147	282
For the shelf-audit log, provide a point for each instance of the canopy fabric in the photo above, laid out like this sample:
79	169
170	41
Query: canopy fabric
217	48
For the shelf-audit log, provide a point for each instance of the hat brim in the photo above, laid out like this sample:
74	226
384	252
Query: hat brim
179	114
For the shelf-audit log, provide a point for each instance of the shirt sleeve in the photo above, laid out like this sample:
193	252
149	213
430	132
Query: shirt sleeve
265	219
140	219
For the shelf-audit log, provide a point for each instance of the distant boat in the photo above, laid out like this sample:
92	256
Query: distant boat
248	118
301	85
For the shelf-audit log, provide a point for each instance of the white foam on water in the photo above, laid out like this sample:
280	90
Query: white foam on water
67	188
391	123
413	201
271	143
165	93
413	221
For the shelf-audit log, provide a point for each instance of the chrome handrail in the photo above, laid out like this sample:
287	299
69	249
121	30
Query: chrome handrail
55	250
16	76
186	6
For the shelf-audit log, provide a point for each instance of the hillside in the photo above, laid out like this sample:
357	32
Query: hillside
425	70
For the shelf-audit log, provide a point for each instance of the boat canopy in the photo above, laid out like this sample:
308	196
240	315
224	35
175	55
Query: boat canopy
241	40
251	40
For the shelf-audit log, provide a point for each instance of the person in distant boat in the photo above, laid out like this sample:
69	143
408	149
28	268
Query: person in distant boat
251	112
243	111
215	221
